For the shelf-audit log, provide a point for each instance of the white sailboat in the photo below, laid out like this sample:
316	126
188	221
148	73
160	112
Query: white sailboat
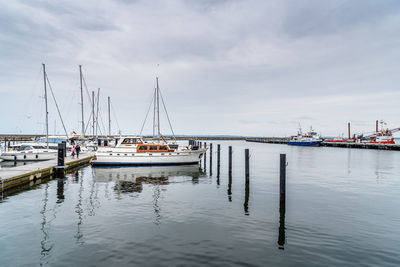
134	150
36	151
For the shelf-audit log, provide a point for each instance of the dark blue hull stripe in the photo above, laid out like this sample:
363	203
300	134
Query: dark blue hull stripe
142	163
304	143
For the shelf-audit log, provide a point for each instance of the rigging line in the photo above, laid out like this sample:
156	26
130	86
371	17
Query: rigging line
86	87
58	110
90	117
87	124
115	116
147	114
166	112
102	123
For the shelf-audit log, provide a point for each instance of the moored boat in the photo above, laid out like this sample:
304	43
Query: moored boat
134	150
311	138
28	152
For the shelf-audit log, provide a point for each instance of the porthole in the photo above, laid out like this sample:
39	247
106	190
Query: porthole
117	154
126	154
110	154
36	156
24	156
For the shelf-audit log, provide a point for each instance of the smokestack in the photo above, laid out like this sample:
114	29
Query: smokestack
348	126
376	126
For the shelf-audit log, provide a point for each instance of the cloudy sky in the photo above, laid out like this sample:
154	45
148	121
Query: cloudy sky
226	67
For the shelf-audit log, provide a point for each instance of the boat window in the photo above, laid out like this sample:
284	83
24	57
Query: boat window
142	148
153	148
163	148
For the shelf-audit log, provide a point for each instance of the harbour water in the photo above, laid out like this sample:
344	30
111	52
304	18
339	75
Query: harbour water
341	210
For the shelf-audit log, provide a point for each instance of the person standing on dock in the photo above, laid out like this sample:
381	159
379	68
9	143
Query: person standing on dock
73	151
78	150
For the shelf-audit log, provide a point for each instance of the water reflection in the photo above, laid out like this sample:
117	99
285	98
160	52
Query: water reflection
282	237
60	190
246	198
131	179
79	211
45	247
230	187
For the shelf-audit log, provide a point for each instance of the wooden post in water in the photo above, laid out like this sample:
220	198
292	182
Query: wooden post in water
230	159
218	156
247	164
211	159
282	180
205	157
282	201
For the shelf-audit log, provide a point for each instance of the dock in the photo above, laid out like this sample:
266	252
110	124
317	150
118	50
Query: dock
275	140
17	176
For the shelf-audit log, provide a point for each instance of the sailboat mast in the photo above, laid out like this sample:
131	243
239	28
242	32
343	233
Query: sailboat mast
109	117
97	112
154	112
93	114
83	120
158	110
45	101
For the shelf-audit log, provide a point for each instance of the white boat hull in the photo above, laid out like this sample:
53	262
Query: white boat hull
27	156
147	159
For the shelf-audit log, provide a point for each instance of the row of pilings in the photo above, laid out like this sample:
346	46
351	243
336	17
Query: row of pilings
282	180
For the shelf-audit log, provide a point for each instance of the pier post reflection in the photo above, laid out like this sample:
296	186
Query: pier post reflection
230	187
60	190
282	210
246	198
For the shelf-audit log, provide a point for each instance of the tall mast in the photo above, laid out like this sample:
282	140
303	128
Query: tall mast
45	101
158	110
109	117
93	113
154	112
97	112
83	120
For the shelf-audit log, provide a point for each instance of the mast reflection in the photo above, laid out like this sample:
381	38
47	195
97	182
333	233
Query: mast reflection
45	248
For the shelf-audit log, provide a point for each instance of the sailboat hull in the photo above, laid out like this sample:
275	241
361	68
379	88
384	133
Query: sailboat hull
148	159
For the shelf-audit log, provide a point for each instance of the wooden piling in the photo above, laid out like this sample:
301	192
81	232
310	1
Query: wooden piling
247	164
282	180
211	145
218	155
282	201
230	159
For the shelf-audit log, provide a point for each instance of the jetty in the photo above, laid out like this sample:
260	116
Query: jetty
275	140
30	173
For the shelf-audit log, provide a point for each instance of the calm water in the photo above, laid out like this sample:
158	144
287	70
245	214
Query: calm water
342	209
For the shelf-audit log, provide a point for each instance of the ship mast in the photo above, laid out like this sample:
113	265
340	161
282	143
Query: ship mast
109	117
158	110
83	120
45	101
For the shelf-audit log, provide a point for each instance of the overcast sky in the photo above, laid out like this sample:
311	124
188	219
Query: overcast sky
226	67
